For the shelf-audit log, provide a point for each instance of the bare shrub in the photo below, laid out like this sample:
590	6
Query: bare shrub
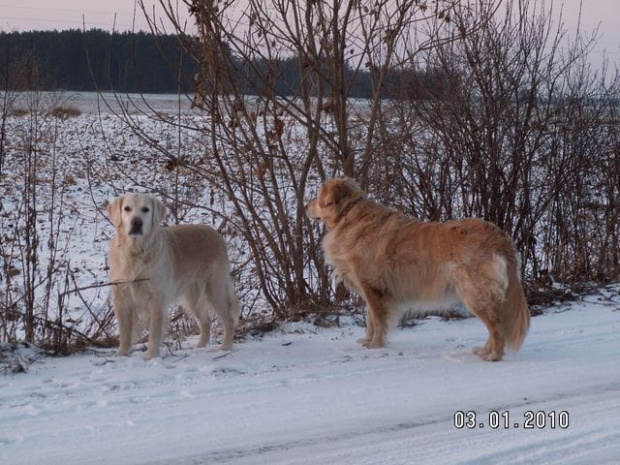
490	114
523	135
271	135
38	282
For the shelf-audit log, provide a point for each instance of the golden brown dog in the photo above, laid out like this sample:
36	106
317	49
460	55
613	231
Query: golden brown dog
153	267
391	260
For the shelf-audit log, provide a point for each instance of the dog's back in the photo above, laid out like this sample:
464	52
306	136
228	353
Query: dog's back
193	247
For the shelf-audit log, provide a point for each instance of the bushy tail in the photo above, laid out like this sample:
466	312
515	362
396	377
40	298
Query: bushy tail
233	302
516	314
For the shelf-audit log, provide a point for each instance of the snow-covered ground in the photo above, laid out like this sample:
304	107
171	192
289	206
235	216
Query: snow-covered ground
308	395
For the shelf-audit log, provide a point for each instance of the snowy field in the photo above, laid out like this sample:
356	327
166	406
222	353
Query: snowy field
92	103
305	395
82	163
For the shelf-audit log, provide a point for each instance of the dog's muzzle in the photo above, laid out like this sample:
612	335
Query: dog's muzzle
136	227
309	215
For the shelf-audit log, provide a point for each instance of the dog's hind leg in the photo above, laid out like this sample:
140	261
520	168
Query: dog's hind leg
204	320
493	349
226	306
198	304
484	298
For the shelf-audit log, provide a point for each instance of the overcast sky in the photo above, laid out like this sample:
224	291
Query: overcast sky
25	15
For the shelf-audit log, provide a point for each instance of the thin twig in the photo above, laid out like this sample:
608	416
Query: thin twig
95	286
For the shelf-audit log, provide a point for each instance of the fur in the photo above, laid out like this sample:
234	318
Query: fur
391	260
153	267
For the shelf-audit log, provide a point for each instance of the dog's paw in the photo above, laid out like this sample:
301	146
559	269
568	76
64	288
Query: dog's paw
486	354
373	344
480	351
151	354
363	340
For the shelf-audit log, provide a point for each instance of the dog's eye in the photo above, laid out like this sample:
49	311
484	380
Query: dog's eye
127	209
145	209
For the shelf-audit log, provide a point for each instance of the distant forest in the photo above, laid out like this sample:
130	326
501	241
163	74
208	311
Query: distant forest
95	59
141	62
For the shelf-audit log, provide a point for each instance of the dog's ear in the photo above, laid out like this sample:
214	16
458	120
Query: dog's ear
347	188
159	211
114	210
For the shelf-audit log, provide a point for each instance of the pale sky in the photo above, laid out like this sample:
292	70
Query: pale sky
24	15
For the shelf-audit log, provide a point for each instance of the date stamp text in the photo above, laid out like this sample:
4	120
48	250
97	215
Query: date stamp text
530	419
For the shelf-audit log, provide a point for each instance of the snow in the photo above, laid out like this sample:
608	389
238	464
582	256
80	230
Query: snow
309	395
298	395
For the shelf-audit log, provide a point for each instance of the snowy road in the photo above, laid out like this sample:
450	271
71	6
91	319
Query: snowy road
313	396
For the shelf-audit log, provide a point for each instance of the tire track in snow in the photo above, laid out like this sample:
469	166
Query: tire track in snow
542	451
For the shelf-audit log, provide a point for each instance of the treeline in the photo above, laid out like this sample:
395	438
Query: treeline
141	62
261	76
94	60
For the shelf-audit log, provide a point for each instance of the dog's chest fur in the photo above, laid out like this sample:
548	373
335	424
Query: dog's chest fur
337	256
333	251
136	265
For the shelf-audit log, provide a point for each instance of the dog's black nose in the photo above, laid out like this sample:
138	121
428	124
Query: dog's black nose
136	225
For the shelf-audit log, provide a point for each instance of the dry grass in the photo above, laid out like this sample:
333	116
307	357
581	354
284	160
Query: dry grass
18	112
65	112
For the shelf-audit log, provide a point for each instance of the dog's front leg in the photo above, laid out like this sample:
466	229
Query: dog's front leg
370	329
125	326
157	327
377	321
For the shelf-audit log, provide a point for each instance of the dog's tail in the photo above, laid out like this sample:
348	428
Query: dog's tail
516	319
233	302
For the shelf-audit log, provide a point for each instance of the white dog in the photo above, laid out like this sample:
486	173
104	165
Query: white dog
152	267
